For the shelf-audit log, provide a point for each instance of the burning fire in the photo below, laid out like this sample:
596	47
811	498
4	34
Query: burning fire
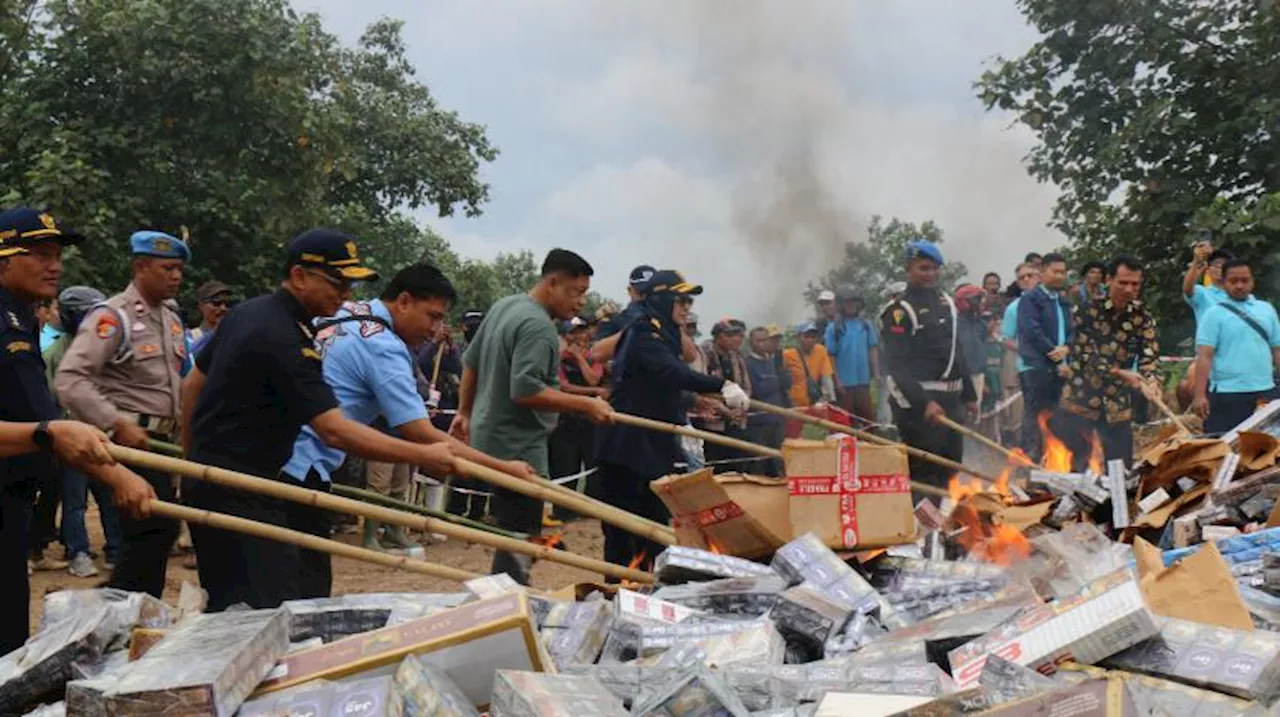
638	560
554	540
1056	456
1006	545
1096	456
958	491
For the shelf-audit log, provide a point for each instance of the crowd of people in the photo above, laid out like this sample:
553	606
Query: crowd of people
303	384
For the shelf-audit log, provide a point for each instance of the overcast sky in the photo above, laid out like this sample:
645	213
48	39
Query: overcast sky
740	141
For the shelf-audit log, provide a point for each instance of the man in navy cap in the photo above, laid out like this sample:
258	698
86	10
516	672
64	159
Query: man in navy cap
122	373
928	373
31	244
256	383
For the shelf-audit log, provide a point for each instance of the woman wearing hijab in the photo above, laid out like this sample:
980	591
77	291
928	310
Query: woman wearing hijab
650	380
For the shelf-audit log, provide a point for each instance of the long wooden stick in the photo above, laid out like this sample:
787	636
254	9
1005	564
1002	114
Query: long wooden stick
543	489
1164	408
306	540
369	496
744	446
969	432
873	438
298	494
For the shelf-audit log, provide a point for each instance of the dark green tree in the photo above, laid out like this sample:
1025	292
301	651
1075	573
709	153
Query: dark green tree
1153	117
240	120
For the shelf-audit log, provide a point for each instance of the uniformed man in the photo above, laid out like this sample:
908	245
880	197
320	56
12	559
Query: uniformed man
121	374
31	245
652	381
928	373
254	386
213	301
368	364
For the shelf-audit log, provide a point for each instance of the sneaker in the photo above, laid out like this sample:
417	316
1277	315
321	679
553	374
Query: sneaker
82	566
46	563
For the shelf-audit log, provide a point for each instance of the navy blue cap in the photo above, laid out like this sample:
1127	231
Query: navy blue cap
670	281
921	249
576	322
332	251
159	245
21	227
641	275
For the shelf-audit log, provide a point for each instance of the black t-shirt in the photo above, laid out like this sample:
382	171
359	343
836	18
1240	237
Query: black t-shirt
263	383
24	390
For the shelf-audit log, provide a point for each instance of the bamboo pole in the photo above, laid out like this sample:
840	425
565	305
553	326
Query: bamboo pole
369	496
970	433
873	438
1157	399
308	541
543	489
325	501
745	446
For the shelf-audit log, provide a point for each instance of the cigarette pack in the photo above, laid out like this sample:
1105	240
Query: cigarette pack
679	564
1153	500
1091	698
1107	616
758	644
809	617
960	704
731	596
1116	475
312	698
529	694
809	683
630	605
695	693
43	665
574	632
741	515
944	633
1005	681
1245	664
469	642
807	559
334	618
206	666
369	697
1155	697
885	652
420	689
491	586
849	493
928	515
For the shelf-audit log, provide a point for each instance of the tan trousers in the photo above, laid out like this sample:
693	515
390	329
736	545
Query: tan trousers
388	478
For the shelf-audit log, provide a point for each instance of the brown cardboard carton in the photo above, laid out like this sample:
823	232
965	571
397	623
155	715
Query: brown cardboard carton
469	642
731	513
850	493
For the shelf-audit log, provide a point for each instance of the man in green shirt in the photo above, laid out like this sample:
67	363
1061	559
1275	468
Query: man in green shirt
509	400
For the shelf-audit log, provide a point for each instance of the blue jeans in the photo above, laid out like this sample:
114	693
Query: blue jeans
75	494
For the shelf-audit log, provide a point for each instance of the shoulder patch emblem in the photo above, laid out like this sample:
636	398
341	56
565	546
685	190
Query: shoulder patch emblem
18	346
148	349
14	322
108	325
898	316
311	353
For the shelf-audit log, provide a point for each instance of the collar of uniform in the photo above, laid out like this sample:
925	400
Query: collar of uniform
1048	292
295	308
914	292
133	298
24	313
379	309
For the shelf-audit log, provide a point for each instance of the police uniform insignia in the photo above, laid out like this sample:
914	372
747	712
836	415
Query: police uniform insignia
306	331
351	249
176	328
161	245
16	346
48	222
14	322
311	353
148	349
898	316
107	326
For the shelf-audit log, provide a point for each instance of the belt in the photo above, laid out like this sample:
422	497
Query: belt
943	386
160	426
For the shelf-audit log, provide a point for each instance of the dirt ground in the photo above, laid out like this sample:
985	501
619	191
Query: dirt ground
351	576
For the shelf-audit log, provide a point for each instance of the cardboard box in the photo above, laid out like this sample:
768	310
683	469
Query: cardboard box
732	513
205	667
851	493
469	643
527	694
1107	616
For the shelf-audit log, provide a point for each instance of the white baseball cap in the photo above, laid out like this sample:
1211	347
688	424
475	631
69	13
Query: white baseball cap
826	295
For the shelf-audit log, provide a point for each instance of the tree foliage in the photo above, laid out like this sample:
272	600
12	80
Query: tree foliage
240	120
870	266
1157	119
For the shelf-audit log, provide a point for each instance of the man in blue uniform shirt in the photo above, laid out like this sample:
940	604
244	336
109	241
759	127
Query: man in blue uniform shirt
650	380
368	364
31	245
255	385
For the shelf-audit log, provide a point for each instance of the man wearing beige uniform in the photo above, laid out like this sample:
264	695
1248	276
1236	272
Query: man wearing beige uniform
122	374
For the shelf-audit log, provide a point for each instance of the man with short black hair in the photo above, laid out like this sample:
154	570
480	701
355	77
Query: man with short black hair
769	384
1113	352
1091	283
1207	261
1237	352
1044	338
253	388
509	399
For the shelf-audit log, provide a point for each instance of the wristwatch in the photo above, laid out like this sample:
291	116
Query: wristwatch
43	438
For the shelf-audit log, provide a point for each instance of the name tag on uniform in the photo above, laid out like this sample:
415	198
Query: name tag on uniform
148	349
311	354
16	346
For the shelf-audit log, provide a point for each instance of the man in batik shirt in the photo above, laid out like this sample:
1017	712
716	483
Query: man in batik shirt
1113	352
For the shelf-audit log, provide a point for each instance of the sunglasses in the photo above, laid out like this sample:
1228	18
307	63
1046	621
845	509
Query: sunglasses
343	285
221	303
684	300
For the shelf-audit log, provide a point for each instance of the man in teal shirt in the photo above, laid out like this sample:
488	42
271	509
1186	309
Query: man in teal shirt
1194	292
1237	350
509	395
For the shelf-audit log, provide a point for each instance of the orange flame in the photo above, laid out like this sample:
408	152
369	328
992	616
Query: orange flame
1006	546
713	548
1097	461
958	491
554	540
1056	456
638	560
1001	485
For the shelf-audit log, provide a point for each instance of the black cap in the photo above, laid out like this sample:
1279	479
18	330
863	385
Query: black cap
474	316
332	251
670	281
21	227
210	289
728	326
641	275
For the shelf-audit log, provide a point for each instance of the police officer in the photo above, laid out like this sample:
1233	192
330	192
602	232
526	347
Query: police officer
650	380
928	374
122	374
31	245
254	386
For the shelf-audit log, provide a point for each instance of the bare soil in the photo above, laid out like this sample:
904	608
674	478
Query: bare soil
351	576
